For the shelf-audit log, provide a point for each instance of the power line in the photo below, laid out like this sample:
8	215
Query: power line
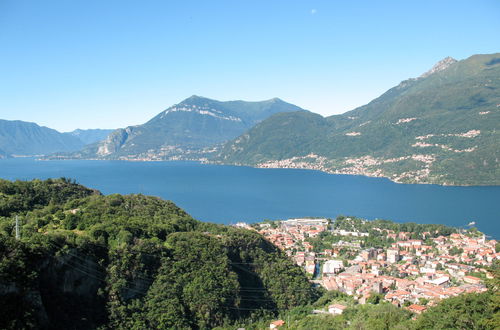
18	235
83	262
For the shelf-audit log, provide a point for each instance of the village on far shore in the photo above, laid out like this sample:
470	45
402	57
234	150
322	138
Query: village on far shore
410	265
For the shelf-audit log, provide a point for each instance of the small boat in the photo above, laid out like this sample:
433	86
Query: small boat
472	223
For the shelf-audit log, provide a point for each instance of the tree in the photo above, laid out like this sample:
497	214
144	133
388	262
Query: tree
375	298
423	301
467	311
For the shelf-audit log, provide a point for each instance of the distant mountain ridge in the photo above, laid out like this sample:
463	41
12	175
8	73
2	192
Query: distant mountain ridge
27	139
89	136
20	138
188	127
439	128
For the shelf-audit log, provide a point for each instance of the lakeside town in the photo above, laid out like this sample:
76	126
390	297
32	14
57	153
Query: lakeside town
370	260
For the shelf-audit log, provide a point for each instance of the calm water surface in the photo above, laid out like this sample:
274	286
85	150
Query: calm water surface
228	194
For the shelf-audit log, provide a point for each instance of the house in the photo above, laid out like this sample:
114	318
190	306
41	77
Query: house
307	246
398	297
276	324
329	283
417	309
472	280
310	267
392	255
377	287
331	267
336	309
440	281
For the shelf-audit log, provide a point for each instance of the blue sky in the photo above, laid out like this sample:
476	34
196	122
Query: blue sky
108	64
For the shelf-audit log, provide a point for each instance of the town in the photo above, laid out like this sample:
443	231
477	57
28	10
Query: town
376	259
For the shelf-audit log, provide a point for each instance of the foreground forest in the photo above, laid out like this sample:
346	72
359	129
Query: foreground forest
85	261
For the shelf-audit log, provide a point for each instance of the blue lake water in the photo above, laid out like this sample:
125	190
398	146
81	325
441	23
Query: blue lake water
228	194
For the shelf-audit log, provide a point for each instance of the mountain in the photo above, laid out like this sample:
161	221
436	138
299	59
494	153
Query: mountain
24	138
89	136
439	128
191	125
88	261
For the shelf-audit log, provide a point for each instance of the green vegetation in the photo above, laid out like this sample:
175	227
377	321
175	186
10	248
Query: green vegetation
86	260
455	251
446	104
191	125
467	311
376	238
369	316
415	229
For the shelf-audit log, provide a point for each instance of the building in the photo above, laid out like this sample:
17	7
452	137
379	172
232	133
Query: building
305	222
336	309
276	324
377	287
472	280
392	255
369	254
440	281
332	267
417	309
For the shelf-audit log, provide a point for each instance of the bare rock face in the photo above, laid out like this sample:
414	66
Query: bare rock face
440	66
114	141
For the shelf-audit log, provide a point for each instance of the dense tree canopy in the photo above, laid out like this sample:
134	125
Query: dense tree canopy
86	260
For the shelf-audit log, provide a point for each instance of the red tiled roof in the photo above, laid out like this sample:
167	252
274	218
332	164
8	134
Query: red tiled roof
417	308
278	323
342	307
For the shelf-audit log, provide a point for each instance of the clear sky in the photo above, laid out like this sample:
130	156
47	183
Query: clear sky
108	64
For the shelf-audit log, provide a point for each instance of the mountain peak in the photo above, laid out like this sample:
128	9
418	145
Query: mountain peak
440	66
194	98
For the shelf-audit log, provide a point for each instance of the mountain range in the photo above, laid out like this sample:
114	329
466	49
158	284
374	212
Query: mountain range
27	139
441	127
185	128
20	138
89	136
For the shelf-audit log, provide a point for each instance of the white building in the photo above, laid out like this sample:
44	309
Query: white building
336	309
332	267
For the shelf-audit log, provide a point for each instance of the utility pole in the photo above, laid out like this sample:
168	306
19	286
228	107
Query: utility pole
18	236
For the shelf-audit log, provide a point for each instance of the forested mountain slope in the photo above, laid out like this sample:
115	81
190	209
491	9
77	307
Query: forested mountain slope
187	127
439	128
87	261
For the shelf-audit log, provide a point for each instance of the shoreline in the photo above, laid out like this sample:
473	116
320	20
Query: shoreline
259	166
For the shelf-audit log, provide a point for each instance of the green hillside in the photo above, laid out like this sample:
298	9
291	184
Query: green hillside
467	311
185	128
439	128
88	261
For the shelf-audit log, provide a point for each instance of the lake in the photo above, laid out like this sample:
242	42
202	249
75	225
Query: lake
228	194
